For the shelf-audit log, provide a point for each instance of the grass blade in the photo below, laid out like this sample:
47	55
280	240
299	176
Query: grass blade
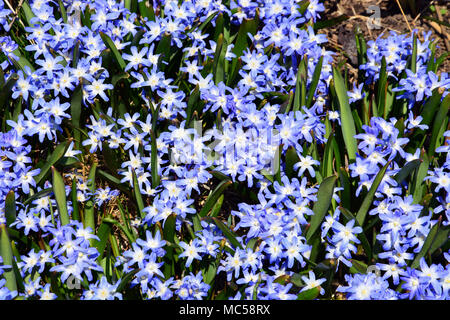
382	90
60	195
138	196
230	235
314	82
427	244
439	124
213	197
309	294
300	86
110	44
89	218
10	207
324	196
348	125
407	170
367	202
103	233
418	181
129	236
57	154
7	256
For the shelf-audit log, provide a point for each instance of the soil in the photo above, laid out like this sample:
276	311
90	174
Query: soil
342	37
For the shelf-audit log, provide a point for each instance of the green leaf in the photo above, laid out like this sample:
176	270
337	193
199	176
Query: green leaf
216	209
219	60
358	267
210	273
75	110
441	60
115	181
10	207
407	170
303	6
427	244
327	163
110	44
330	22
7	256
129	236
232	76
219	27
126	280
314	82
421	173
361	48
230	235
163	48
154	161
120	76
2	78
57	154
74	198
76	54
125	218
60	196
300	86
23	62
112	161
205	23
138	196
86	18
348	125
62	10
89	218
5	89
169	233
103	233
346	194
414	55
441	238
320	208
309	294
291	159
146	10
382	89
213	197
192	102
367	202
430	107
28	12
246	27
196	222
37	195
439	124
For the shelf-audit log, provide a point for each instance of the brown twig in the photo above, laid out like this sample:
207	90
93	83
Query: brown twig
404	16
16	15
